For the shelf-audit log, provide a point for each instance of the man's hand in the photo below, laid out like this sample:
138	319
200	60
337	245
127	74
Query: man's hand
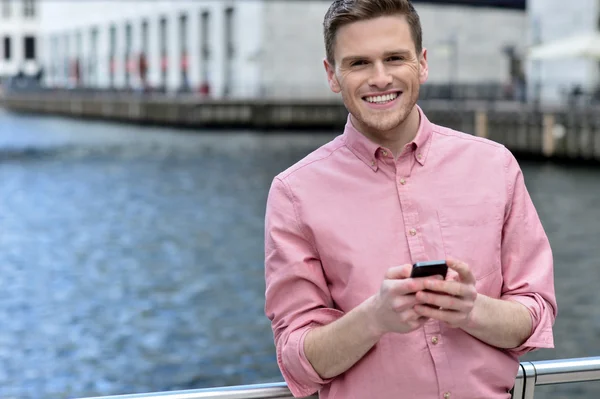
452	300
335	347
393	306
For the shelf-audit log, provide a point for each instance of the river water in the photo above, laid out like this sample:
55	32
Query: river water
132	257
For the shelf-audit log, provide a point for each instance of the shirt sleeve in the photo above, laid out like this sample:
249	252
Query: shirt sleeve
297	297
527	264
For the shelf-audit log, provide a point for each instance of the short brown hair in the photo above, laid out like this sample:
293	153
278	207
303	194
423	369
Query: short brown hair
343	12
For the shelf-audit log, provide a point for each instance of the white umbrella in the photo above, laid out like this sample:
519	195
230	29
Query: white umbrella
579	46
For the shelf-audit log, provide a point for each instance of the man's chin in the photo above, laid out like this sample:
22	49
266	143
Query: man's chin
382	123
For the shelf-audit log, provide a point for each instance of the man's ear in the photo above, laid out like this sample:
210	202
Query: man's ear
334	85
424	67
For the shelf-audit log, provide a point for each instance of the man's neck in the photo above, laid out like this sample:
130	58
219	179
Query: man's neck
395	139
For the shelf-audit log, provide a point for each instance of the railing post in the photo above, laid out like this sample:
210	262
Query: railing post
548	141
529	379
519	388
481	124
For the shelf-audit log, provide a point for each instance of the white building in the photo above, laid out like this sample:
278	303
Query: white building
552	20
245	48
184	43
19	21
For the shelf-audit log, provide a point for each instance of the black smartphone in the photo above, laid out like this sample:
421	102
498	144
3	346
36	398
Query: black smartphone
431	268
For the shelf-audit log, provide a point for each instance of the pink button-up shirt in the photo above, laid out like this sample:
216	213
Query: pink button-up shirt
339	218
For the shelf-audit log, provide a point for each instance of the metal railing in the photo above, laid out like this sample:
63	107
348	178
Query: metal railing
549	372
530	375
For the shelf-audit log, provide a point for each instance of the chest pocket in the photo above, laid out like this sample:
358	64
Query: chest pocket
472	234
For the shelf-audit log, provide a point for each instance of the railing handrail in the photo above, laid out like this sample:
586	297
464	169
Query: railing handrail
275	390
531	374
569	370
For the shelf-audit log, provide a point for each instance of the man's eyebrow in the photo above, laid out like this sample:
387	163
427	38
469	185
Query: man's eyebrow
401	51
351	58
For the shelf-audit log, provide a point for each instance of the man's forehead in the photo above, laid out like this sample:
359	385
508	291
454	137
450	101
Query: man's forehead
374	37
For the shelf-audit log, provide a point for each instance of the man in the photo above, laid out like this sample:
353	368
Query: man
344	225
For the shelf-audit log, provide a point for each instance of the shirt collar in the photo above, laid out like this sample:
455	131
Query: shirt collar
369	152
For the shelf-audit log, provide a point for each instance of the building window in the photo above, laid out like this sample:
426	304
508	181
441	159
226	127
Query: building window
164	59
204	33
205	52
29	8
229	25
112	49
183	32
6	8
128	60
78	46
112	40
229	49
142	61
144	36
54	51
183	54
78	71
93	58
29	48
78	43
67	58
163	35
7	48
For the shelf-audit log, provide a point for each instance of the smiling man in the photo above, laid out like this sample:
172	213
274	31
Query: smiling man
345	224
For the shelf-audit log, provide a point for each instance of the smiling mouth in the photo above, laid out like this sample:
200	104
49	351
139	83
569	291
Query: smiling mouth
384	99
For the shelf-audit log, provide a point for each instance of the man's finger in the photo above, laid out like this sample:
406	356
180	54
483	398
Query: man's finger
463	270
452	288
399	272
413	285
447	316
440	301
452	275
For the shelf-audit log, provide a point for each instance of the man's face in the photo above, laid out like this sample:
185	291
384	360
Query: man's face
378	73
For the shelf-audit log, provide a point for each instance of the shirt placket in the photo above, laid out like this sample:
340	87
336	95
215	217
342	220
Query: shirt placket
436	345
410	215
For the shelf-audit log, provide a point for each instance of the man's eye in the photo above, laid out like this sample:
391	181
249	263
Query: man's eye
396	58
358	63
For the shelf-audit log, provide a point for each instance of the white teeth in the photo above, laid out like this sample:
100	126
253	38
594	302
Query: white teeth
382	99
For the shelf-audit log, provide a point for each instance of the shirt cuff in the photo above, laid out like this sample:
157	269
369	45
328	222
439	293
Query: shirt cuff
299	374
542	320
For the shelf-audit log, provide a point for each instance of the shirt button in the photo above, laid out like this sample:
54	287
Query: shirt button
413	232
420	156
447	395
372	163
402	181
384	153
434	340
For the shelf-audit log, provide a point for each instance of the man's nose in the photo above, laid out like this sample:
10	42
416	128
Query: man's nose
380	77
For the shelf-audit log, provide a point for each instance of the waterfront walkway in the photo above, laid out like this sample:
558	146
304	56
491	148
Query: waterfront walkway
562	133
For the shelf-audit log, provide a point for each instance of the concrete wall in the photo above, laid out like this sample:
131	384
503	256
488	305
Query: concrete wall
465	45
294	49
